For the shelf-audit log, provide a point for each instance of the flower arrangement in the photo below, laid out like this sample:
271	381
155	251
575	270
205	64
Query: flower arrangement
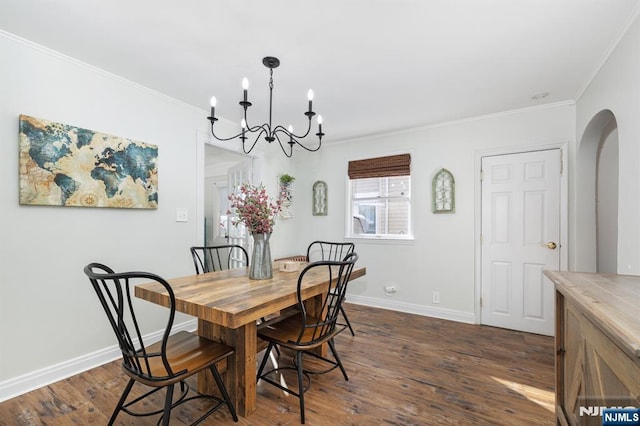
255	209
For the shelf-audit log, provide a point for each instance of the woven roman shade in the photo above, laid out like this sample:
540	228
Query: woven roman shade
393	165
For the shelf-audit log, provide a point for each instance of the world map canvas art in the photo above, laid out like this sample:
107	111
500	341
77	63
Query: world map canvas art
62	165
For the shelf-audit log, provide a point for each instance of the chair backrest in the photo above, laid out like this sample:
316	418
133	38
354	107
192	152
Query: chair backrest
327	250
217	258
314	329
115	293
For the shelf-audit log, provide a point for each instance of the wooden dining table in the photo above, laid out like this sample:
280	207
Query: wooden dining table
228	305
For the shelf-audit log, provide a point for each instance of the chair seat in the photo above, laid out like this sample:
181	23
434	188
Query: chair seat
187	354
286	332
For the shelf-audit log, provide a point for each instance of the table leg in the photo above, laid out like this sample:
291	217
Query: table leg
240	377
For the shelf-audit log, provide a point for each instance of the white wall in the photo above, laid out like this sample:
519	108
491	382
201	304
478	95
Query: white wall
49	311
442	255
616	87
50	319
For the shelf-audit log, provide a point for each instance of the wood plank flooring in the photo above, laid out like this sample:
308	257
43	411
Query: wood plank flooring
403	370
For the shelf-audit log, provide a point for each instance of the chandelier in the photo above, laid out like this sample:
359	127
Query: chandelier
278	133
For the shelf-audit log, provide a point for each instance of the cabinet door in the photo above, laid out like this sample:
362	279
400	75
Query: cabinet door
593	372
611	377
573	364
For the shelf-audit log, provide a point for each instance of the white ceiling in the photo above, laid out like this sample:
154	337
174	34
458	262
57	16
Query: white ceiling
374	65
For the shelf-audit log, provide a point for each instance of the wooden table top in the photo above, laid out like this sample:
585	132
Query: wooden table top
229	298
610	301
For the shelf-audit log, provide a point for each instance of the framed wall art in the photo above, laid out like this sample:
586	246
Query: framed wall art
63	165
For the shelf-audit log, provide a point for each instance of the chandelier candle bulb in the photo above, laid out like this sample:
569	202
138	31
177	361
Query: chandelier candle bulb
310	98
245	87
213	107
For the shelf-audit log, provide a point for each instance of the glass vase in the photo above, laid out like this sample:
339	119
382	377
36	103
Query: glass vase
260	266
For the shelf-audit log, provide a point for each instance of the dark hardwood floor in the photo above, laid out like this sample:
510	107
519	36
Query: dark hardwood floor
403	370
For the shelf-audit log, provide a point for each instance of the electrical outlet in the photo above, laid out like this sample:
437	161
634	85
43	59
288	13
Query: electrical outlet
436	297
389	290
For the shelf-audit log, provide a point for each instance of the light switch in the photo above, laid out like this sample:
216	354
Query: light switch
182	215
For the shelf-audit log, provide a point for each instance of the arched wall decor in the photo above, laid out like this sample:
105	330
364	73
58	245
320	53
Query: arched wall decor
443	193
320	207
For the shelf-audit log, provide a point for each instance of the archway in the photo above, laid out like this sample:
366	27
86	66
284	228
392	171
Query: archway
597	195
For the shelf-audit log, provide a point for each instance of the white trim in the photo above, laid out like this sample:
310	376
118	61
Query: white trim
92	68
45	376
409	240
368	137
413	308
564	208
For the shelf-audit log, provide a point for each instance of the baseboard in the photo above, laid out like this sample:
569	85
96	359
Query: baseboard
43	377
412	308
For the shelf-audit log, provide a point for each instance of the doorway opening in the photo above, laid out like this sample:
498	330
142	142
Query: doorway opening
597	196
218	161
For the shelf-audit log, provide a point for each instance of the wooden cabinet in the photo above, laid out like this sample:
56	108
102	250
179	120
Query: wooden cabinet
597	345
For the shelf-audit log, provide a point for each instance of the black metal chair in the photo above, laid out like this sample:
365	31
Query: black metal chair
327	250
302	333
163	364
216	258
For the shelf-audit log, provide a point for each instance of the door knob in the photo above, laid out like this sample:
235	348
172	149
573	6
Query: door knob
550	245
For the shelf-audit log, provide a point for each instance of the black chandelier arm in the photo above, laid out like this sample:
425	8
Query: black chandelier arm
293	139
263	130
311	149
263	127
224	139
255	141
288	155
281	128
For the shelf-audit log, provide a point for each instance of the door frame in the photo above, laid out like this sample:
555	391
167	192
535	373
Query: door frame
564	208
205	138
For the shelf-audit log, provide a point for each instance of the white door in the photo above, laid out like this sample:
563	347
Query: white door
520	238
237	176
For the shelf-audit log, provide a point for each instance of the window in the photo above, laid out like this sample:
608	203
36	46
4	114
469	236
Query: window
380	198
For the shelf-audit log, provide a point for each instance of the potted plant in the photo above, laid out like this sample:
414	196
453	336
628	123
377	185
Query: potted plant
286	180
